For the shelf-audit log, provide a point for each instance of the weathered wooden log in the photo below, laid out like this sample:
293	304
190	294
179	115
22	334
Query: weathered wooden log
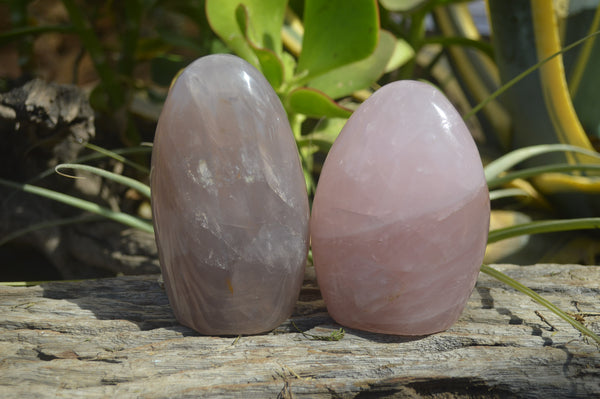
118	338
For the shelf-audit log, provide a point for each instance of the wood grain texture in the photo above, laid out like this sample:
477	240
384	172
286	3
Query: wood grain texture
118	338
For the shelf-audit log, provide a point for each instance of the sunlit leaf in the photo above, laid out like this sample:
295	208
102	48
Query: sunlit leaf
358	75
336	33
323	135
271	66
315	104
222	19
507	161
507	192
403	52
237	22
401	5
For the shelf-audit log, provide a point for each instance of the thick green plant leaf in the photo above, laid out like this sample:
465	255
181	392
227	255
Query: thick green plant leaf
336	33
323	135
270	63
358	75
221	16
403	52
271	66
265	19
238	22
313	103
289	64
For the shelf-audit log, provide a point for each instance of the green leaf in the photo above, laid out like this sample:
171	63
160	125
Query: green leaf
289	64
535	171
323	135
221	16
120	217
271	66
543	226
252	28
358	75
315	104
336	33
237	22
127	181
403	52
233	23
401	5
264	22
506	162
507	192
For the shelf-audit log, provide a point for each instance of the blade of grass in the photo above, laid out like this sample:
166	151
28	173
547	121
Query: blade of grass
47	224
115	155
523	74
120	217
539	299
543	226
507	161
127	181
448	41
507	192
530	172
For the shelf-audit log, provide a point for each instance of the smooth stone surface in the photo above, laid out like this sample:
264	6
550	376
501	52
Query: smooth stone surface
229	200
401	212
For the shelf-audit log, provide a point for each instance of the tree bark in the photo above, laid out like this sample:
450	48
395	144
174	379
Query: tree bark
118	338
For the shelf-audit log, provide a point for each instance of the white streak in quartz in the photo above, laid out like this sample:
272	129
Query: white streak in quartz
203	176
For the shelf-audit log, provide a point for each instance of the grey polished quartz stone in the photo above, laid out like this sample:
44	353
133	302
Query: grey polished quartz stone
229	201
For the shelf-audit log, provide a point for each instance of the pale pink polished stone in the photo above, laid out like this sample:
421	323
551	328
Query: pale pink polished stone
400	216
229	200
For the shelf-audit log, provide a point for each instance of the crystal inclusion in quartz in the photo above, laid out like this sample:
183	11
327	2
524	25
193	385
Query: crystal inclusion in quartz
229	201
400	216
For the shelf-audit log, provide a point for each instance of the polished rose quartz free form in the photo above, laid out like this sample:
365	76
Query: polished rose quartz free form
229	200
400	216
